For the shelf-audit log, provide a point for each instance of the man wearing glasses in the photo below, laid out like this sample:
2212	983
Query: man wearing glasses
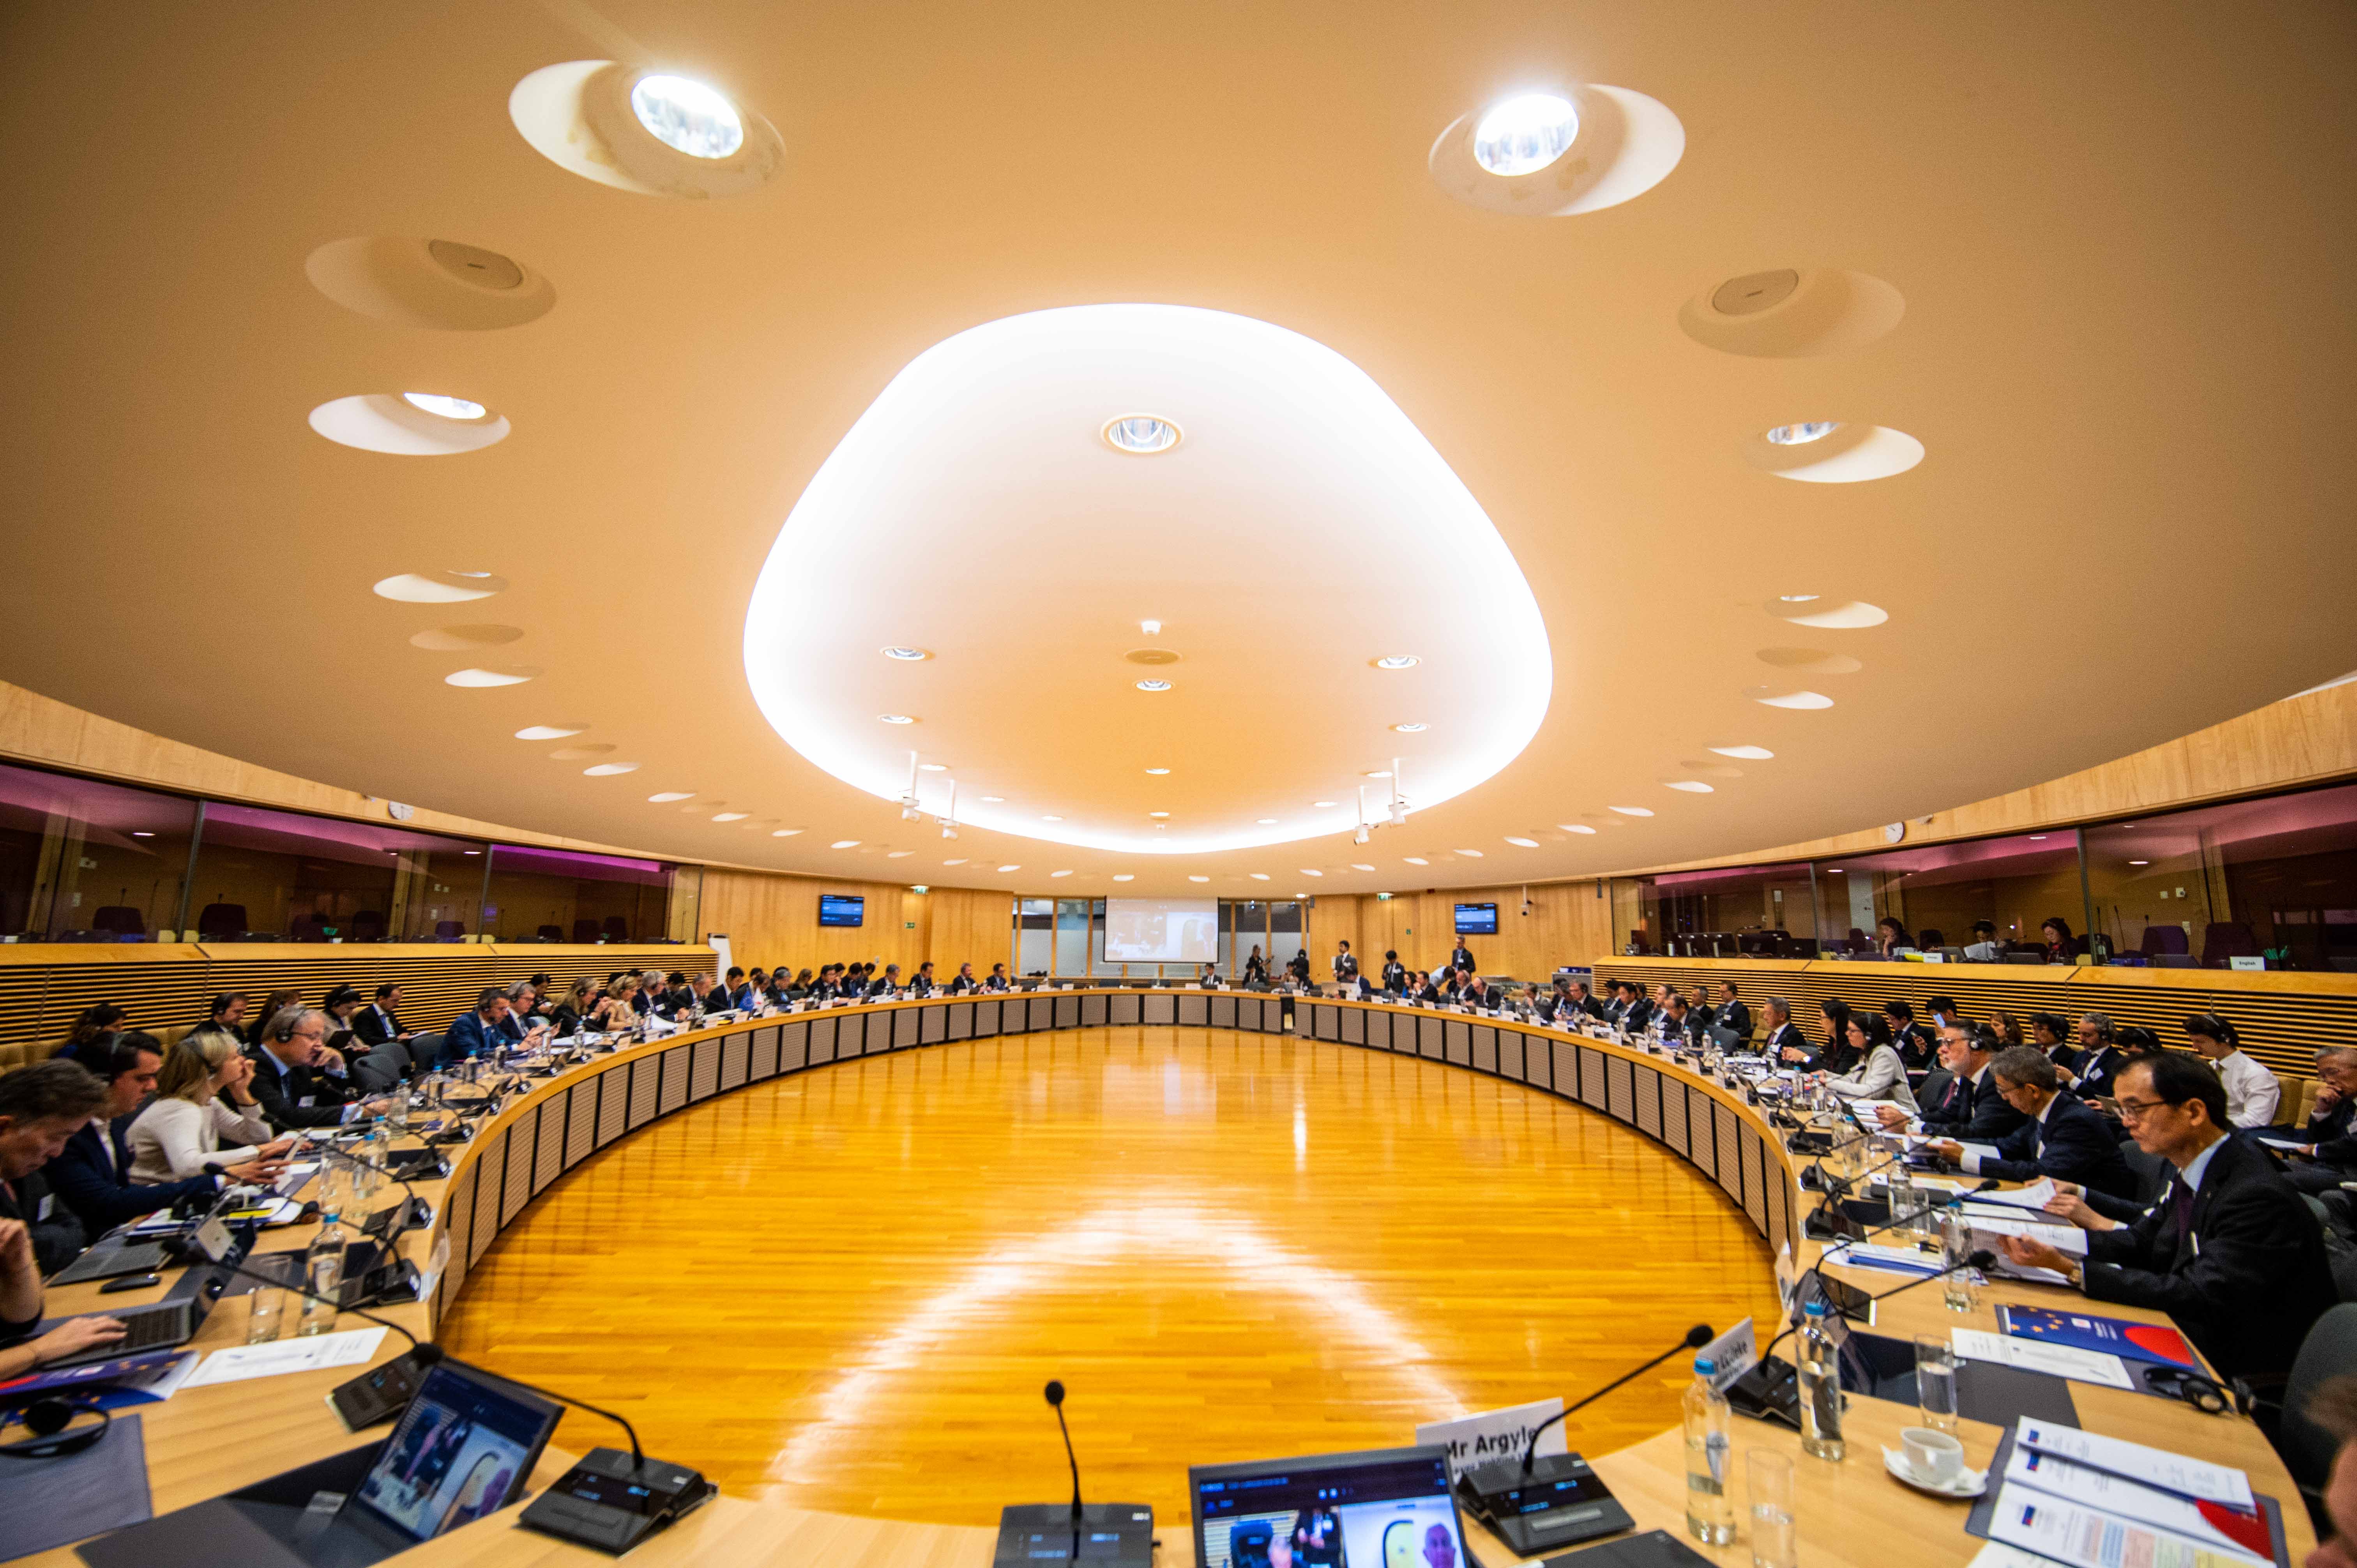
2229	1252
2061	1136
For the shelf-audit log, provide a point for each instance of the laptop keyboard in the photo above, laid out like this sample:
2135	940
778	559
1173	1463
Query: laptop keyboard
104	1262
148	1328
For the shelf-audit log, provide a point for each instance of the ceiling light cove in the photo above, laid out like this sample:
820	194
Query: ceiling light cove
1000	432
906	655
1837	455
549	732
405	427
1748	753
1509	155
1575	827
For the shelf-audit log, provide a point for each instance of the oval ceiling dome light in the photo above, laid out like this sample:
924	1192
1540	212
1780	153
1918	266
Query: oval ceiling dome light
1470	854
932	768
380	422
610	769
1788	314
1007	868
1158	772
1416	860
1747	753
1521	843
1192	876
1396	662
1843	454
438	587
1814	660
1510	157
1829	614
688	116
441	406
1802	433
549	732
1524	133
1631	811
504	675
1125	876
1328	466
668	796
452	639
906	655
845	843
1307	870
1142	435
1768	696
1154	685
731	816
1267	821
645	131
896	718
1259	876
1691	786
794	832
1409	729
1575	827
436	283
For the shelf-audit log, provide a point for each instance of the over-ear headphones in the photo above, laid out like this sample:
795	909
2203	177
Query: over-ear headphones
47	1418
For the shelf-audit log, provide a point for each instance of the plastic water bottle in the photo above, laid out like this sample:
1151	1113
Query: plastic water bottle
1901	1187
1821	1395
323	1276
1710	1512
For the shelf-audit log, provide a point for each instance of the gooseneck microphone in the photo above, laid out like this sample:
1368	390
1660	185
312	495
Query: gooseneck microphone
1700	1335
1055	1392
1980	1259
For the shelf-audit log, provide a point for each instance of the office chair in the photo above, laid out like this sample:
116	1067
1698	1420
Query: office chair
447	930
584	931
1931	939
2159	940
220	920
2223	939
367	925
2328	1351
119	919
552	933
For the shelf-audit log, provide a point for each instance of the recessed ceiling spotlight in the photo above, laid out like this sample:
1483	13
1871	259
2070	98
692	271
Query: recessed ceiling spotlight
1141	435
1158	772
899	853
443	407
1396	662
2036	838
515	675
1691	786
905	654
1266	821
932	768
2140	863
1380	773
897	718
995	799
1470	854
1409	729
668	796
1526	133
1796	598
1575	827
1260	877
610	769
1802	433
143	833
549	732
1768	698
470	852
1154	685
1059	874
687	117
1522	843
1306	871
845	843
959	861
1007	868
1360	865
1836	870
1748	753
1632	811
1192	877
1157	814
785	833
1051	819
731	816
1125	876
1322	805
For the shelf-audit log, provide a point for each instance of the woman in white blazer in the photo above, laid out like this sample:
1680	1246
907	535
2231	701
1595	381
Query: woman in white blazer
202	1114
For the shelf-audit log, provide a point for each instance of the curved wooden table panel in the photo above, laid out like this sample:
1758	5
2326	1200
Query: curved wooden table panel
211	1440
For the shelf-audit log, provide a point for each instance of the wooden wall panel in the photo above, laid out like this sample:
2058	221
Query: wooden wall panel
771	920
971	925
1568	924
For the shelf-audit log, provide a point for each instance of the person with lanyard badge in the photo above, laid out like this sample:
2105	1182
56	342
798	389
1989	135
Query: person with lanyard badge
2060	1137
997	981
1396	975
298	1079
1346	966
379	1021
91	1175
1461	957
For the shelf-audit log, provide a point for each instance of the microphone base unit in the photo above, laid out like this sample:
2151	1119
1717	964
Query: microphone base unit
1106	1535
610	1502
1558	1502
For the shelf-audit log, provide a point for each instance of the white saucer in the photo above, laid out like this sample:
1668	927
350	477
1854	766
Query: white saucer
1969	1484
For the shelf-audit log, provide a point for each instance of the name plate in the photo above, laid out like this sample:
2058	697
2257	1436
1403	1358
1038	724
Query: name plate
1494	1434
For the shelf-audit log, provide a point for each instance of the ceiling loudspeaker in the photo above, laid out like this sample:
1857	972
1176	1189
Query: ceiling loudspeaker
1754	292
1151	656
473	264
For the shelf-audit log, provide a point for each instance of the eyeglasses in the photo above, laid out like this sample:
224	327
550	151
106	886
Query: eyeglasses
2131	1109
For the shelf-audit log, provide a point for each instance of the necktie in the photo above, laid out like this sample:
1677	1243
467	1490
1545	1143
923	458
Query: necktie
2180	1198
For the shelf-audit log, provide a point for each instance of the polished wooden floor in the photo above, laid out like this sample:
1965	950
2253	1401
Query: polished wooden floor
847	1287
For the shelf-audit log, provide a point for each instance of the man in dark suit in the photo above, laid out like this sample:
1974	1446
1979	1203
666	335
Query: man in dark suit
1681	1024
41	1108
1635	1012
378	1021
478	1033
2230	1252
297	1081
2331	1132
1916	1045
1732	1014
1972	1109
2063	1137
1396	976
1579	1003
91	1175
1461	958
1785	1044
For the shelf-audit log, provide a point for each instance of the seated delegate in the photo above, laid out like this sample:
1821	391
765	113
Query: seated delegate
2253	1093
41	1108
91	1175
203	1095
1880	1074
2232	1252
298	1079
1969	1107
21	1353
2061	1136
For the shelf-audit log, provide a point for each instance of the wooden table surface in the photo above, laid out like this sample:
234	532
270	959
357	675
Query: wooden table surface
207	1441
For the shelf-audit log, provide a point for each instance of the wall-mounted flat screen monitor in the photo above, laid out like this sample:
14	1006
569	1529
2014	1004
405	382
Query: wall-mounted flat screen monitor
840	909
1477	919
1161	930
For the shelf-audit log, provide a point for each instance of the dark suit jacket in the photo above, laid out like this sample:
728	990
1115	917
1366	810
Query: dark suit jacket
2247	1284
716	1000
2097	1072
1987	1117
376	1024
58	1237
1783	1035
2076	1143
1395	978
282	1097
959	985
1915	1046
1461	957
1639	1013
100	1192
469	1037
1735	1015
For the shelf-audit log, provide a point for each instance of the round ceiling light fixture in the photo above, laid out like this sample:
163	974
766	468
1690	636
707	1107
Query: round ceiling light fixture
731	816
1141	435
1322	805
996	799
785	833
1409	729
845	843
1306	871
438	587
549	732
1770	698
1524	133
1801	434
1416	860
687	117
1521	842
1193	877
1157	814
1154	685
445	407
896	718
1006	868
1632	811
2140	863
1059	874
1360	865
1470	854
668	796
1125	876
1158	772
610	769
1748	753
507	675
1051	819
907	654
1396	662
1266	821
1575	827
932	768
959	861
1260	877
1691	786
1380	773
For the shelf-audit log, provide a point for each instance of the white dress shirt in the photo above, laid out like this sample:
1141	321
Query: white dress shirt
172	1139
2252	1091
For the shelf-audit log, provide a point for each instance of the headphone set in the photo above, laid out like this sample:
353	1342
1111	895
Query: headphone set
48	1418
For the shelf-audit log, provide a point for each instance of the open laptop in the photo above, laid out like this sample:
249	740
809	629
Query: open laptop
1378	1505
173	1321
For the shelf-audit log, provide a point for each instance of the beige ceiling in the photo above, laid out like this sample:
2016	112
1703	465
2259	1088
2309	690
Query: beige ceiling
2123	237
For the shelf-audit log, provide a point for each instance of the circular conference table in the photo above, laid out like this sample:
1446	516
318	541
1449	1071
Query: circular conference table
209	1440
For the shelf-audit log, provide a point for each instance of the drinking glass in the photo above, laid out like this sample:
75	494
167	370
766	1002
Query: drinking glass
334	1187
1775	1543
266	1312
1935	1382
1955	1246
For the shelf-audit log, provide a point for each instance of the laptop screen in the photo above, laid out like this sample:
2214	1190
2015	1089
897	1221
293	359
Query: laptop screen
462	1449
1389	1507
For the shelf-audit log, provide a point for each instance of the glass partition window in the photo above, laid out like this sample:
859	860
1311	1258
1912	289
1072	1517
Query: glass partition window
561	896
2273	879
1938	892
1034	936
1749	912
1285	934
82	860
288	878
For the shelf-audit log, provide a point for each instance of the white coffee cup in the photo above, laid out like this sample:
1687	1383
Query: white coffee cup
1934	1457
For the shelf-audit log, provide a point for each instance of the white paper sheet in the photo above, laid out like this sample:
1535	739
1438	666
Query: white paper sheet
352	1348
2034	1196
2082	1537
2067	1240
2120	1498
2032	1356
2154	1466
